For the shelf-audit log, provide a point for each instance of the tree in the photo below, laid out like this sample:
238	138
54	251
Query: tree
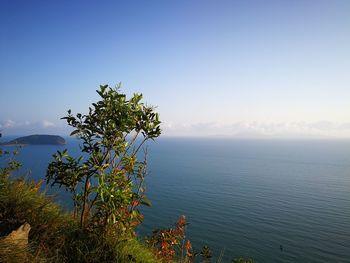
108	185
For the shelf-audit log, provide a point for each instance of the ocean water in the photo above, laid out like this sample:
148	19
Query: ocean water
244	197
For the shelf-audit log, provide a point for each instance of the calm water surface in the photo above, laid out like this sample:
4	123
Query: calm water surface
245	198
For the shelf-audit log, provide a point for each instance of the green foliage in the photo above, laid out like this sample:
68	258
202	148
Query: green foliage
55	236
133	250
86	246
22	202
108	186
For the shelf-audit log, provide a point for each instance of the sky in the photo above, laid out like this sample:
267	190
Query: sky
241	69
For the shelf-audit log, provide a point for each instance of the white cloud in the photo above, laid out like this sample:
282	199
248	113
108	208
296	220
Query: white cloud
7	124
254	129
26	127
240	129
48	124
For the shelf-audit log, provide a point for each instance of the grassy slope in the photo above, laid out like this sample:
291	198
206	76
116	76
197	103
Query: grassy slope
55	236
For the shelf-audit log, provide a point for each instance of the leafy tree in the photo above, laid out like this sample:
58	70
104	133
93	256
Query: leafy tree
108	185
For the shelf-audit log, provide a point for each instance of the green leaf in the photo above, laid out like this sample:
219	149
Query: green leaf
145	201
74	132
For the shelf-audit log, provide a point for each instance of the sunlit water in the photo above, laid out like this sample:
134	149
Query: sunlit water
245	198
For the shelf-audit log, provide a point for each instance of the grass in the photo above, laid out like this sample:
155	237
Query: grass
55	236
139	251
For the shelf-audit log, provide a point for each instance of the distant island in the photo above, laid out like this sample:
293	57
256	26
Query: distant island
37	140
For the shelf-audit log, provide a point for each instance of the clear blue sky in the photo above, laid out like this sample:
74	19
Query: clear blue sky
233	68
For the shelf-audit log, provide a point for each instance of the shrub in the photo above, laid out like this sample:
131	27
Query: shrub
166	242
108	186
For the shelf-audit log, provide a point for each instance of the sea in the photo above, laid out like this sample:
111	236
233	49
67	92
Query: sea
268	200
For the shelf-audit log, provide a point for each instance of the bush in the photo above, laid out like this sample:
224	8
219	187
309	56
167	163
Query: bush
56	236
108	186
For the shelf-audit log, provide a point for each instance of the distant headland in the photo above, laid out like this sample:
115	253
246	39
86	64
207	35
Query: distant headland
37	140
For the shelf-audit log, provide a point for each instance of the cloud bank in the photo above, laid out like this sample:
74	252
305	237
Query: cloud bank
11	127
243	129
254	129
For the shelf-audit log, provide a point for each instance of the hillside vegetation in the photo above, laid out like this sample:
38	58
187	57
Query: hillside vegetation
55	236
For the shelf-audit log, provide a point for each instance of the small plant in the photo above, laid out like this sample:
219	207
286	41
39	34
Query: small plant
166	242
108	187
205	254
